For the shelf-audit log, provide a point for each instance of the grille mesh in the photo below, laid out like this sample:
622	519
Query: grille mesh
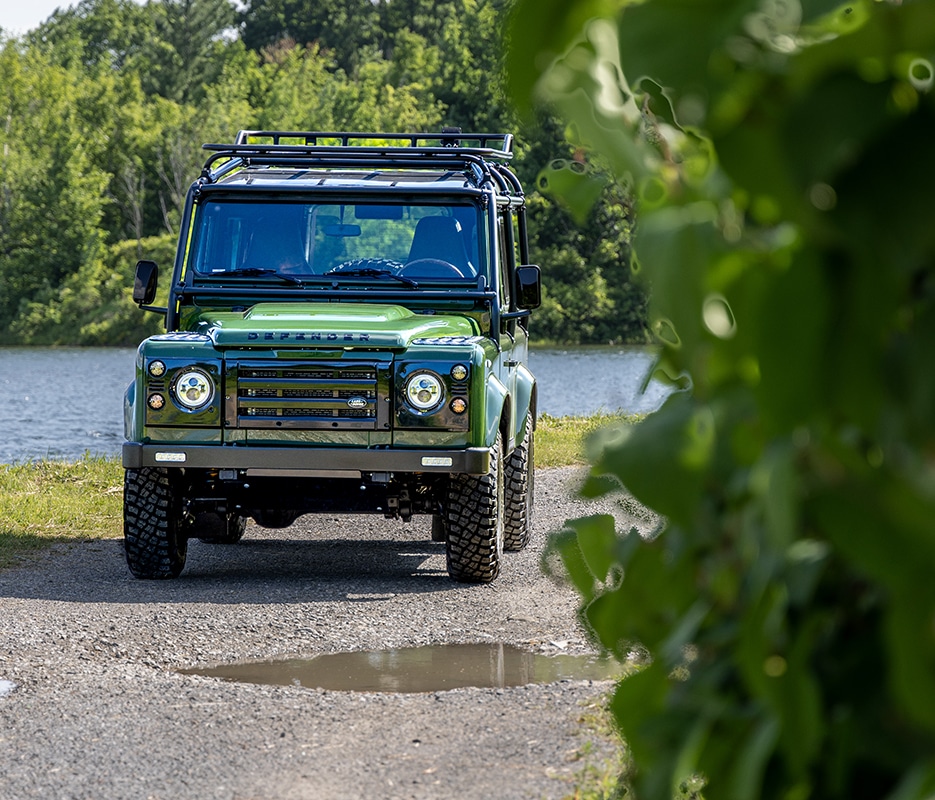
307	395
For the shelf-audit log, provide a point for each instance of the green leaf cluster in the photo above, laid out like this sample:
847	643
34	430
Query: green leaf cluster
781	161
104	108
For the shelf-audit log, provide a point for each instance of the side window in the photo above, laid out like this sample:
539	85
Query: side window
504	256
517	256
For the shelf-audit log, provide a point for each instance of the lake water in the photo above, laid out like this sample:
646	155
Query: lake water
61	403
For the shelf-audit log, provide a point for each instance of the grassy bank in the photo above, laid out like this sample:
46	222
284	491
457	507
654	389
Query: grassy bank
560	440
54	501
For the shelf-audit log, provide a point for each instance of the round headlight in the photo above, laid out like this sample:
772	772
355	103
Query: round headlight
424	391
459	372
157	368
194	389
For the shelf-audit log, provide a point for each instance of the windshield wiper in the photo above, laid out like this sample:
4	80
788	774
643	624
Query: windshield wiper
254	272
373	272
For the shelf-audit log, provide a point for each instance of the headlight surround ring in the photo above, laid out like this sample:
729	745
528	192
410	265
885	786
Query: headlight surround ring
424	391
193	389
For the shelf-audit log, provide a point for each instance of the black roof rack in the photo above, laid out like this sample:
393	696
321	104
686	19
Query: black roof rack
447	138
450	149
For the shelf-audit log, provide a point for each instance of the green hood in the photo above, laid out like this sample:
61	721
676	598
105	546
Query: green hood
327	325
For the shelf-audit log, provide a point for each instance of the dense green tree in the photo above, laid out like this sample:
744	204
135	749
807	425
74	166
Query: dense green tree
344	28
96	32
427	18
131	129
187	52
469	78
294	89
94	305
51	193
589	292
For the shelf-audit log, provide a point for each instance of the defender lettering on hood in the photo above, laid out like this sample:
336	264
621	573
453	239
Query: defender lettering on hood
310	336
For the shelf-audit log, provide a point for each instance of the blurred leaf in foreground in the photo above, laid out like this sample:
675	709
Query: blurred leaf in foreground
781	154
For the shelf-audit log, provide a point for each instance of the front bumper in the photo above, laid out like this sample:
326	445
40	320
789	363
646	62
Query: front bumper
296	460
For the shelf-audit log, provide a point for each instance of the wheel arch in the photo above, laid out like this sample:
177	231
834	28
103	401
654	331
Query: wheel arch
497	403
526	401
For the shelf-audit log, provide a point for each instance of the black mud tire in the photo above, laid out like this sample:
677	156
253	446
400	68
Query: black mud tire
153	533
519	480
212	527
474	523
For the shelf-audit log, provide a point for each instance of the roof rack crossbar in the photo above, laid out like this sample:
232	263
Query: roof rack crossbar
448	138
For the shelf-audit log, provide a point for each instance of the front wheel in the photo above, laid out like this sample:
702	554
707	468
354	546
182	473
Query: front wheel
153	538
474	523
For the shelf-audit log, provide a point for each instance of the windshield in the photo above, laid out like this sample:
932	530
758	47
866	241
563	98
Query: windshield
306	240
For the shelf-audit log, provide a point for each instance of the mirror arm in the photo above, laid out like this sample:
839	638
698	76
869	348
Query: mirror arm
155	309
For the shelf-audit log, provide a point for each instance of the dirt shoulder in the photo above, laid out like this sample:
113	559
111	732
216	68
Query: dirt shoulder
99	710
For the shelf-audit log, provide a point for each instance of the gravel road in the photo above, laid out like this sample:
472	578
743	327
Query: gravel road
92	704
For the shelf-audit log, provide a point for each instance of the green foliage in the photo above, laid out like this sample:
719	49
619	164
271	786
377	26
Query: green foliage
781	162
589	294
95	33
185	55
50	188
94	306
345	27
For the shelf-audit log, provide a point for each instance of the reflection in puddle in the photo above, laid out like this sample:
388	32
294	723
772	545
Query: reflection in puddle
419	669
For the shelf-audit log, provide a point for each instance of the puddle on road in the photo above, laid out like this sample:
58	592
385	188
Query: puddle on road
419	669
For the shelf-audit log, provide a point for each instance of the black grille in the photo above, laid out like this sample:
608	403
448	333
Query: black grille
306	395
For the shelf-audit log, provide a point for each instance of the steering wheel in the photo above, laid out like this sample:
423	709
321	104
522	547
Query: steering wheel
431	268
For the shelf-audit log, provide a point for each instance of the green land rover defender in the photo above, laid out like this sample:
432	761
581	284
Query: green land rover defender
346	331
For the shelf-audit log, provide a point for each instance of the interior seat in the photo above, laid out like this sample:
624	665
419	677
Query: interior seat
438	239
277	244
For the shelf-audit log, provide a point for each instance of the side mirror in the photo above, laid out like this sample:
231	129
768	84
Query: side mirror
528	287
144	285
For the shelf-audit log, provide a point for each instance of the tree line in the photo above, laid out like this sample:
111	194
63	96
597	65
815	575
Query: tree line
104	108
